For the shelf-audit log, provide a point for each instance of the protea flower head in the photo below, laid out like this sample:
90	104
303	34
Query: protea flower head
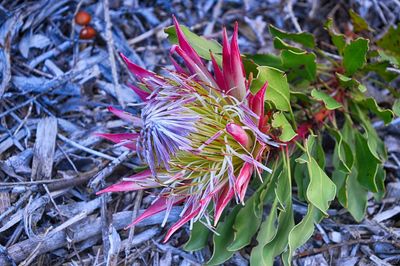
201	134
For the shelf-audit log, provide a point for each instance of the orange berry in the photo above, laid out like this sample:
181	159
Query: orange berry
82	18
87	33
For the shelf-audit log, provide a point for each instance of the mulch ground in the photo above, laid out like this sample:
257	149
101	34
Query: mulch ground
54	90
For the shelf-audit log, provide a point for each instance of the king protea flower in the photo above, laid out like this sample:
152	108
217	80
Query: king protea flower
202	135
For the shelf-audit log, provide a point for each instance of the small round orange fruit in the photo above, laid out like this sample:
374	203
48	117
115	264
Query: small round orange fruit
87	33
82	18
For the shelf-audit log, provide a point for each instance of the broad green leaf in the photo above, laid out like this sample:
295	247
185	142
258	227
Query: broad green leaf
299	65
396	107
348	132
282	191
270	60
321	190
285	222
247	222
279	243
385	114
198	237
347	82
279	121
357	196
302	179
223	239
390	42
303	38
278	87
281	45
380	183
381	69
248	219
200	44
318	153
358	22
267	232
375	144
273	236
388	56
367	164
339	40
354	55
302	231
343	155
340	180
330	103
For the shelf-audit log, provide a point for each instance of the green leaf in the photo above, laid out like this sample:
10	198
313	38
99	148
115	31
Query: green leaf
303	38
273	236
358	22
330	103
375	144
247	222
223	239
200	44
354	55
279	121
380	183
279	243
249	217
278	87
340	180
281	45
390	57
266	60
321	190
367	164
302	231
339	40
396	107
302	179
318	153
357	196
381	68
385	114
343	159
390	42
348	132
282	191
198	237
266	234
299	65
347	82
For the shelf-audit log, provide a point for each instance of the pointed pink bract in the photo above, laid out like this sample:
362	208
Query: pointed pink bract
184	43
128	138
256	102
138	71
224	198
126	116
185	218
141	93
158	206
243	180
